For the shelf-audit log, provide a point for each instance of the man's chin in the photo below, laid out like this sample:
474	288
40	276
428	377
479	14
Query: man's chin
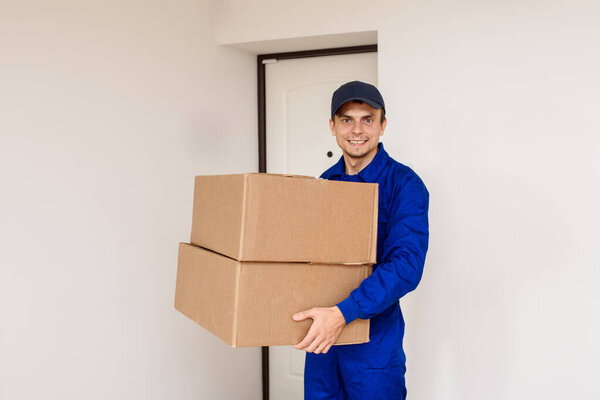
357	155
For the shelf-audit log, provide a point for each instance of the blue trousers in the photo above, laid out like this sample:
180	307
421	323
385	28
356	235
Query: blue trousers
368	371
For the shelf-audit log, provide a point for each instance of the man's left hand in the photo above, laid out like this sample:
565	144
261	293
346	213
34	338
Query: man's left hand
324	331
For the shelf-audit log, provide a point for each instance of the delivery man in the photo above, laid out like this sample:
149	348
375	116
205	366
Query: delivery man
373	370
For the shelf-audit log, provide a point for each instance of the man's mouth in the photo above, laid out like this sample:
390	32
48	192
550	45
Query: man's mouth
357	142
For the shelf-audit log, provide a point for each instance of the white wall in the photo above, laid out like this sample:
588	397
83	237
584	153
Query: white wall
107	111
495	105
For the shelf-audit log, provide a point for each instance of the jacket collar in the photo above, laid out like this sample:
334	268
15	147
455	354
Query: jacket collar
371	172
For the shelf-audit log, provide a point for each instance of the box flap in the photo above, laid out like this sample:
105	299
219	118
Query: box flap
283	175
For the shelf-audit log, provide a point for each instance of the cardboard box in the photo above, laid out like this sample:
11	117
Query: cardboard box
251	303
266	217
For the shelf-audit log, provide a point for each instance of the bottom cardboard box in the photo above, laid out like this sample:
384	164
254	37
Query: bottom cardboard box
251	303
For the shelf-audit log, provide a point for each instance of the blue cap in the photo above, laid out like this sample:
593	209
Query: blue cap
356	90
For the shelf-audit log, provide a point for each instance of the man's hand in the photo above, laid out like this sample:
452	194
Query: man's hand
324	331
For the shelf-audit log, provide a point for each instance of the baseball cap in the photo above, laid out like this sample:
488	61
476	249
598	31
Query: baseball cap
356	90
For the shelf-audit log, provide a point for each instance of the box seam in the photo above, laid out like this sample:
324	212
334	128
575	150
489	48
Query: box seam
236	304
243	225
373	249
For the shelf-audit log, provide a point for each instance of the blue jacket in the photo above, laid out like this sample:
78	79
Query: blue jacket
402	238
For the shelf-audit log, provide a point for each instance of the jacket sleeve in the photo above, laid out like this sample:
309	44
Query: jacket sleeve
404	249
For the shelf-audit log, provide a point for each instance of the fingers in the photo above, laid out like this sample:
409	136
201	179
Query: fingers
314	345
327	348
324	330
302	315
314	342
311	335
308	340
319	346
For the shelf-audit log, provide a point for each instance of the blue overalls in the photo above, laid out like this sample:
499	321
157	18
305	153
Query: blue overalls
375	370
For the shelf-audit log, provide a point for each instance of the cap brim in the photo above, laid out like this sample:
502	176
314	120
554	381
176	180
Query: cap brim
370	102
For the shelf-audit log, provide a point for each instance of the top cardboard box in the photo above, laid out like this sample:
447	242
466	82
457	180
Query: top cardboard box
267	217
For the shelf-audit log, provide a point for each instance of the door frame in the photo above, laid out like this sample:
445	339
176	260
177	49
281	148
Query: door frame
261	60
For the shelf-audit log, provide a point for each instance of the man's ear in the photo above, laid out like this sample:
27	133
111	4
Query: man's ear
332	127
383	125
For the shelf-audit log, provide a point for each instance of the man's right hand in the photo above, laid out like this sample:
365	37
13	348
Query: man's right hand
327	325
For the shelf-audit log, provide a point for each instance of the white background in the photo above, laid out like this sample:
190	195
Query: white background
108	110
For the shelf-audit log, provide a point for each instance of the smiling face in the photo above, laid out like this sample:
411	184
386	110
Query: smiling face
357	128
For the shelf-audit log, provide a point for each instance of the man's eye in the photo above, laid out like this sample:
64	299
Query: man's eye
368	120
345	120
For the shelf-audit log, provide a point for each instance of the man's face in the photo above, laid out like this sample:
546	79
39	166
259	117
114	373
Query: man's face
357	128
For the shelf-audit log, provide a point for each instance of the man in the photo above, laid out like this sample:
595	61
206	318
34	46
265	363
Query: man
373	370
